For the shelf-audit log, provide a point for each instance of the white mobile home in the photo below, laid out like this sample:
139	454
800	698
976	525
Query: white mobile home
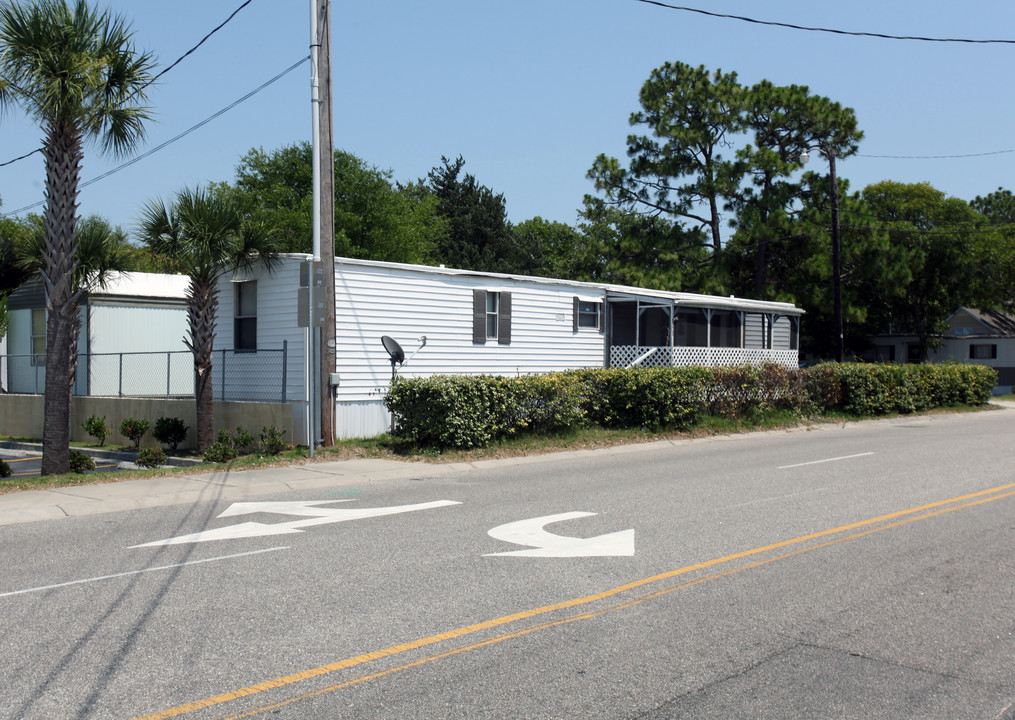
122	323
476	323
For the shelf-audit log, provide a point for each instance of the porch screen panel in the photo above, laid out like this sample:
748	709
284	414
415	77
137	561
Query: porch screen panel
690	328
725	328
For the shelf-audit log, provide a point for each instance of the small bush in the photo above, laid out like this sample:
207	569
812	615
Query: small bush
170	432
5	470
96	427
220	452
272	441
134	430
240	441
151	457
80	462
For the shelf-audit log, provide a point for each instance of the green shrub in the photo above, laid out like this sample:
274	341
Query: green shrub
80	462
96	427
5	470
150	457
134	430
170	431
272	441
220	452
240	441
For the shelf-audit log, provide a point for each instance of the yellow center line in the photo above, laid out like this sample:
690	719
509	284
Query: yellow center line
937	508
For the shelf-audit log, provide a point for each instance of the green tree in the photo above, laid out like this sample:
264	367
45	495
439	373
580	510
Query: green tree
204	236
783	122
679	170
374	219
646	251
12	232
76	72
479	235
557	250
934	251
998	207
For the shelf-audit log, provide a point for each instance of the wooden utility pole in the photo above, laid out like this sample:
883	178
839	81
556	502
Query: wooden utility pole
326	151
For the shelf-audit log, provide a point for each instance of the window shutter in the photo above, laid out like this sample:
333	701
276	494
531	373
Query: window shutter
602	317
504	319
972	351
574	315
993	352
479	317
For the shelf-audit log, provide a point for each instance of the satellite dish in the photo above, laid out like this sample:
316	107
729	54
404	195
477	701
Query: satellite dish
394	350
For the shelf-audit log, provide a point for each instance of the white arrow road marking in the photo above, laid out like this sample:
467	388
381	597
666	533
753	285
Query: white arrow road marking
544	544
314	516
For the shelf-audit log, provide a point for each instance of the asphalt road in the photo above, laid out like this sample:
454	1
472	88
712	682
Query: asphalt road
859	571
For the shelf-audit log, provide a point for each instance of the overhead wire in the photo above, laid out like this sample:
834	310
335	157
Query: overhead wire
167	69
791	26
176	138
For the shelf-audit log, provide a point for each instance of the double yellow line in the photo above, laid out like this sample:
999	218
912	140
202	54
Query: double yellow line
794	546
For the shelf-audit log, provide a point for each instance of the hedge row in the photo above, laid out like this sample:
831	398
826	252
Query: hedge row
462	411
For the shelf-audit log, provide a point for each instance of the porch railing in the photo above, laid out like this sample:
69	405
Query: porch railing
244	375
624	355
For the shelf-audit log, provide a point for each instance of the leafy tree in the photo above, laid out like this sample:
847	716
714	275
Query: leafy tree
479	235
934	245
76	72
556	250
12	232
784	123
204	236
679	170
998	207
645	251
373	218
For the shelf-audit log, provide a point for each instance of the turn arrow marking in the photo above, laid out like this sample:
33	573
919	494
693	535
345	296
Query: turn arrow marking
310	510
544	544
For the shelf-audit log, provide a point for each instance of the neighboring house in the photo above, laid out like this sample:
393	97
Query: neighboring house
476	323
122	325
983	337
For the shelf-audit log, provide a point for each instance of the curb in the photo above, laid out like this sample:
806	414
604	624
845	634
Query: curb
111	455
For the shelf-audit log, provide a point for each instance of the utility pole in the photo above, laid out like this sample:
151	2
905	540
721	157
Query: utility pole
324	235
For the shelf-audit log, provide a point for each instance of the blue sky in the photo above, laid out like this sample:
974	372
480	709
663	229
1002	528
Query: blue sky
530	92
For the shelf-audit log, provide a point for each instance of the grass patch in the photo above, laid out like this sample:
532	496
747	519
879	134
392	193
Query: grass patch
390	448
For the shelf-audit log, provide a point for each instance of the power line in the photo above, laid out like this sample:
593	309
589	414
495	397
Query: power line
881	36
936	157
172	140
170	67
184	56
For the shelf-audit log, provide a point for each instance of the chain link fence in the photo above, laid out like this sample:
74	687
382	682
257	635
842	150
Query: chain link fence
243	375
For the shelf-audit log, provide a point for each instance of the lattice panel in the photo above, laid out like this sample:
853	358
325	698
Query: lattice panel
624	355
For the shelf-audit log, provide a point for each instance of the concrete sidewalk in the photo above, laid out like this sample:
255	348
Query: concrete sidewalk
77	500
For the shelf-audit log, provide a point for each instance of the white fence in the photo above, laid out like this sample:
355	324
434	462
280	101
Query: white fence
624	355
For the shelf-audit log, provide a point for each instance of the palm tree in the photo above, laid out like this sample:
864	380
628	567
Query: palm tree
203	236
75	71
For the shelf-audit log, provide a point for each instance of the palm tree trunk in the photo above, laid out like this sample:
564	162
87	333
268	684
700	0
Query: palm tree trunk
202	306
63	153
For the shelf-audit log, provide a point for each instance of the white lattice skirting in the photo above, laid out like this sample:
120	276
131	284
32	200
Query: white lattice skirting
624	355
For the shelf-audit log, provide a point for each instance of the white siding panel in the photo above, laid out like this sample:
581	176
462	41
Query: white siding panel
754	330
22	375
781	333
374	301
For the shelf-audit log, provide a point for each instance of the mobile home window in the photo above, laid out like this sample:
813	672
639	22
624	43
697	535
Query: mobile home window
491	317
587	314
245	321
983	352
38	336
492	310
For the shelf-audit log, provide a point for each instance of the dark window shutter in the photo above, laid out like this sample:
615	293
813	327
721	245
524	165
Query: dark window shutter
479	317
504	319
972	351
574	315
993	352
602	317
